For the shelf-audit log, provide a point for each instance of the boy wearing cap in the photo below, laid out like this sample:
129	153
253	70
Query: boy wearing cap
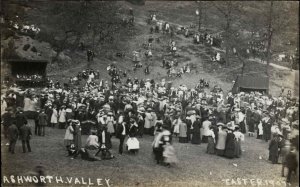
42	122
25	135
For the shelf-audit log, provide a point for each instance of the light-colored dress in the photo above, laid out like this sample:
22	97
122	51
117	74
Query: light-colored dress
54	116
62	116
69	137
148	120
110	125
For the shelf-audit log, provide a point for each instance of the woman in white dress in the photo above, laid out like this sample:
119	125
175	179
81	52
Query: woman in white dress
54	117
148	120
110	123
176	123
62	117
69	137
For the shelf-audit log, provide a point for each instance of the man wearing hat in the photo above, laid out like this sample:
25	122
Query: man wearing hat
42	122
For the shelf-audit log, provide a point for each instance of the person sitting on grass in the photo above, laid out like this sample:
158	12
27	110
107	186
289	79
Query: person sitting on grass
92	141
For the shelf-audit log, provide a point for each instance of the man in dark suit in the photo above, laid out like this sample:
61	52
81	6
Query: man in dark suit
25	135
291	163
42	122
20	118
13	134
7	120
121	134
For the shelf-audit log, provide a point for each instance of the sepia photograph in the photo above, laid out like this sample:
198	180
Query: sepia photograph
149	93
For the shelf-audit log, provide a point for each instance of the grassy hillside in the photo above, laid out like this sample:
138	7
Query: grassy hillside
178	14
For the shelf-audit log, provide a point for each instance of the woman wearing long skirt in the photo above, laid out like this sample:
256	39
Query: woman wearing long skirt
273	149
211	142
230	145
183	132
110	123
196	131
148	121
239	137
176	123
251	125
220	147
169	154
77	135
205	125
62	117
54	117
132	143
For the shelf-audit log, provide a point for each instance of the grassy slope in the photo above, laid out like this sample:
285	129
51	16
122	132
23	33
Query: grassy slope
179	14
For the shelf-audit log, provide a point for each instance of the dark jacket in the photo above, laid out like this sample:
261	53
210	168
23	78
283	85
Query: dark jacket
7	119
230	145
20	119
25	133
120	130
132	131
291	160
43	119
13	132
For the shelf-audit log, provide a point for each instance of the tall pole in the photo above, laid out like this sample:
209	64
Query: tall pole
199	14
270	33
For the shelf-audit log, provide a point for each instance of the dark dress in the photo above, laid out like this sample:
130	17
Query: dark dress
77	137
211	145
196	133
251	123
238	150
230	146
141	123
273	150
243	127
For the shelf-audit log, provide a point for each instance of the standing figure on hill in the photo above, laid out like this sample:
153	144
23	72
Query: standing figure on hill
147	70
90	55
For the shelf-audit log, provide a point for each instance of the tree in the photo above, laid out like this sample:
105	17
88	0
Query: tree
229	10
269	35
95	23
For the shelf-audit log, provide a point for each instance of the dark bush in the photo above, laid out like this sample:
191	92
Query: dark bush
26	47
33	49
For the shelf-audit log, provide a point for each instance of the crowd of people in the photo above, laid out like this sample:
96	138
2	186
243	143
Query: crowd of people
131	109
134	108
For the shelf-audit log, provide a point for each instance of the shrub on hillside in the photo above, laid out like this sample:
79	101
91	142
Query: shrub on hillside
26	47
33	49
